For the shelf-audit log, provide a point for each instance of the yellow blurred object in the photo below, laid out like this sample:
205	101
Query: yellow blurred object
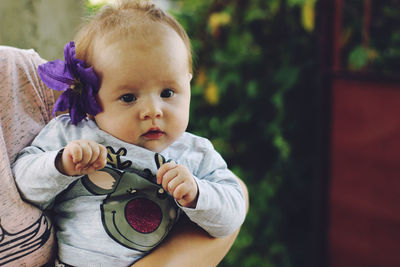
217	20
308	15
211	94
201	77
347	33
372	54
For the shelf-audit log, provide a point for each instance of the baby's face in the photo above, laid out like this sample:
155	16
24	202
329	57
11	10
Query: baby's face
145	89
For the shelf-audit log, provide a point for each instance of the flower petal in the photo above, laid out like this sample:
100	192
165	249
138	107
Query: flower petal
62	103
91	87
89	101
89	77
77	110
56	75
71	61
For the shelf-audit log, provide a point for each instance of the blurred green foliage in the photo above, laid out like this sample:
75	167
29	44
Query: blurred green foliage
373	46
92	8
253	96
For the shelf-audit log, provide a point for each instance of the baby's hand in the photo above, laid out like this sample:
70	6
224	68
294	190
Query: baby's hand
81	157
179	182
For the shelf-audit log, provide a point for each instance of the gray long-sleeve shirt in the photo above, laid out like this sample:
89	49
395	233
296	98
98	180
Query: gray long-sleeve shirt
82	239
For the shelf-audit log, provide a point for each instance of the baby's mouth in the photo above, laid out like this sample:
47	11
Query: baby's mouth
153	134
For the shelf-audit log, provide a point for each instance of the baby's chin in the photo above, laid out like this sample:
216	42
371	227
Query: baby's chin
160	144
152	146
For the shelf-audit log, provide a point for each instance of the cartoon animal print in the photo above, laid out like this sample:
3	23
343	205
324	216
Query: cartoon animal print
17	245
137	212
114	158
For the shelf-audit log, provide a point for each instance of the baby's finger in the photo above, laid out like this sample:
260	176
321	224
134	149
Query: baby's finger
86	154
87	170
74	150
101	160
174	182
179	191
95	152
186	194
163	170
168	178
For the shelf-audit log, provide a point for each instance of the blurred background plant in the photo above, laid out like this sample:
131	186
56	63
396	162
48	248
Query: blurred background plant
371	36
253	96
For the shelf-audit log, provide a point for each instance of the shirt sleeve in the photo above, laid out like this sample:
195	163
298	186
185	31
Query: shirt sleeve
36	176
221	207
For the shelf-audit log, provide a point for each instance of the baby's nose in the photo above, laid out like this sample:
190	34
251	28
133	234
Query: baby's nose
151	109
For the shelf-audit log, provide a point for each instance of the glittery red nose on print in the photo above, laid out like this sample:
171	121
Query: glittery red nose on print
143	215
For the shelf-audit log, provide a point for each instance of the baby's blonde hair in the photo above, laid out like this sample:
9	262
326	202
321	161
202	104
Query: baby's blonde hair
124	18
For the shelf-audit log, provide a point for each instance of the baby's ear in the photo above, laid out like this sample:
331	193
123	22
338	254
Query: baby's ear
103	180
160	160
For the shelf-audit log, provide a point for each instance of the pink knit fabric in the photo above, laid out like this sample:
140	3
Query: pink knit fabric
26	236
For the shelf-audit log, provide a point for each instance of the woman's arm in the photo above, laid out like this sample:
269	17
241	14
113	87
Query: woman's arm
189	245
26	234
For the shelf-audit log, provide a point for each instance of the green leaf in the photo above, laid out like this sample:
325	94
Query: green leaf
358	58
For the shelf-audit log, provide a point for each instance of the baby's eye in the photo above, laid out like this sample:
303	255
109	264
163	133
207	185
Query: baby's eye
166	93
128	98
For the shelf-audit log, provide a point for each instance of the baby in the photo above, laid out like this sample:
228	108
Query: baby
127	89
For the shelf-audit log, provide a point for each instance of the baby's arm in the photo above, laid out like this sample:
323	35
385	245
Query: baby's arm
41	175
81	157
207	190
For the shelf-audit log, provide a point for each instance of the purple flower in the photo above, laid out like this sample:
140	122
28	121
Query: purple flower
79	85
